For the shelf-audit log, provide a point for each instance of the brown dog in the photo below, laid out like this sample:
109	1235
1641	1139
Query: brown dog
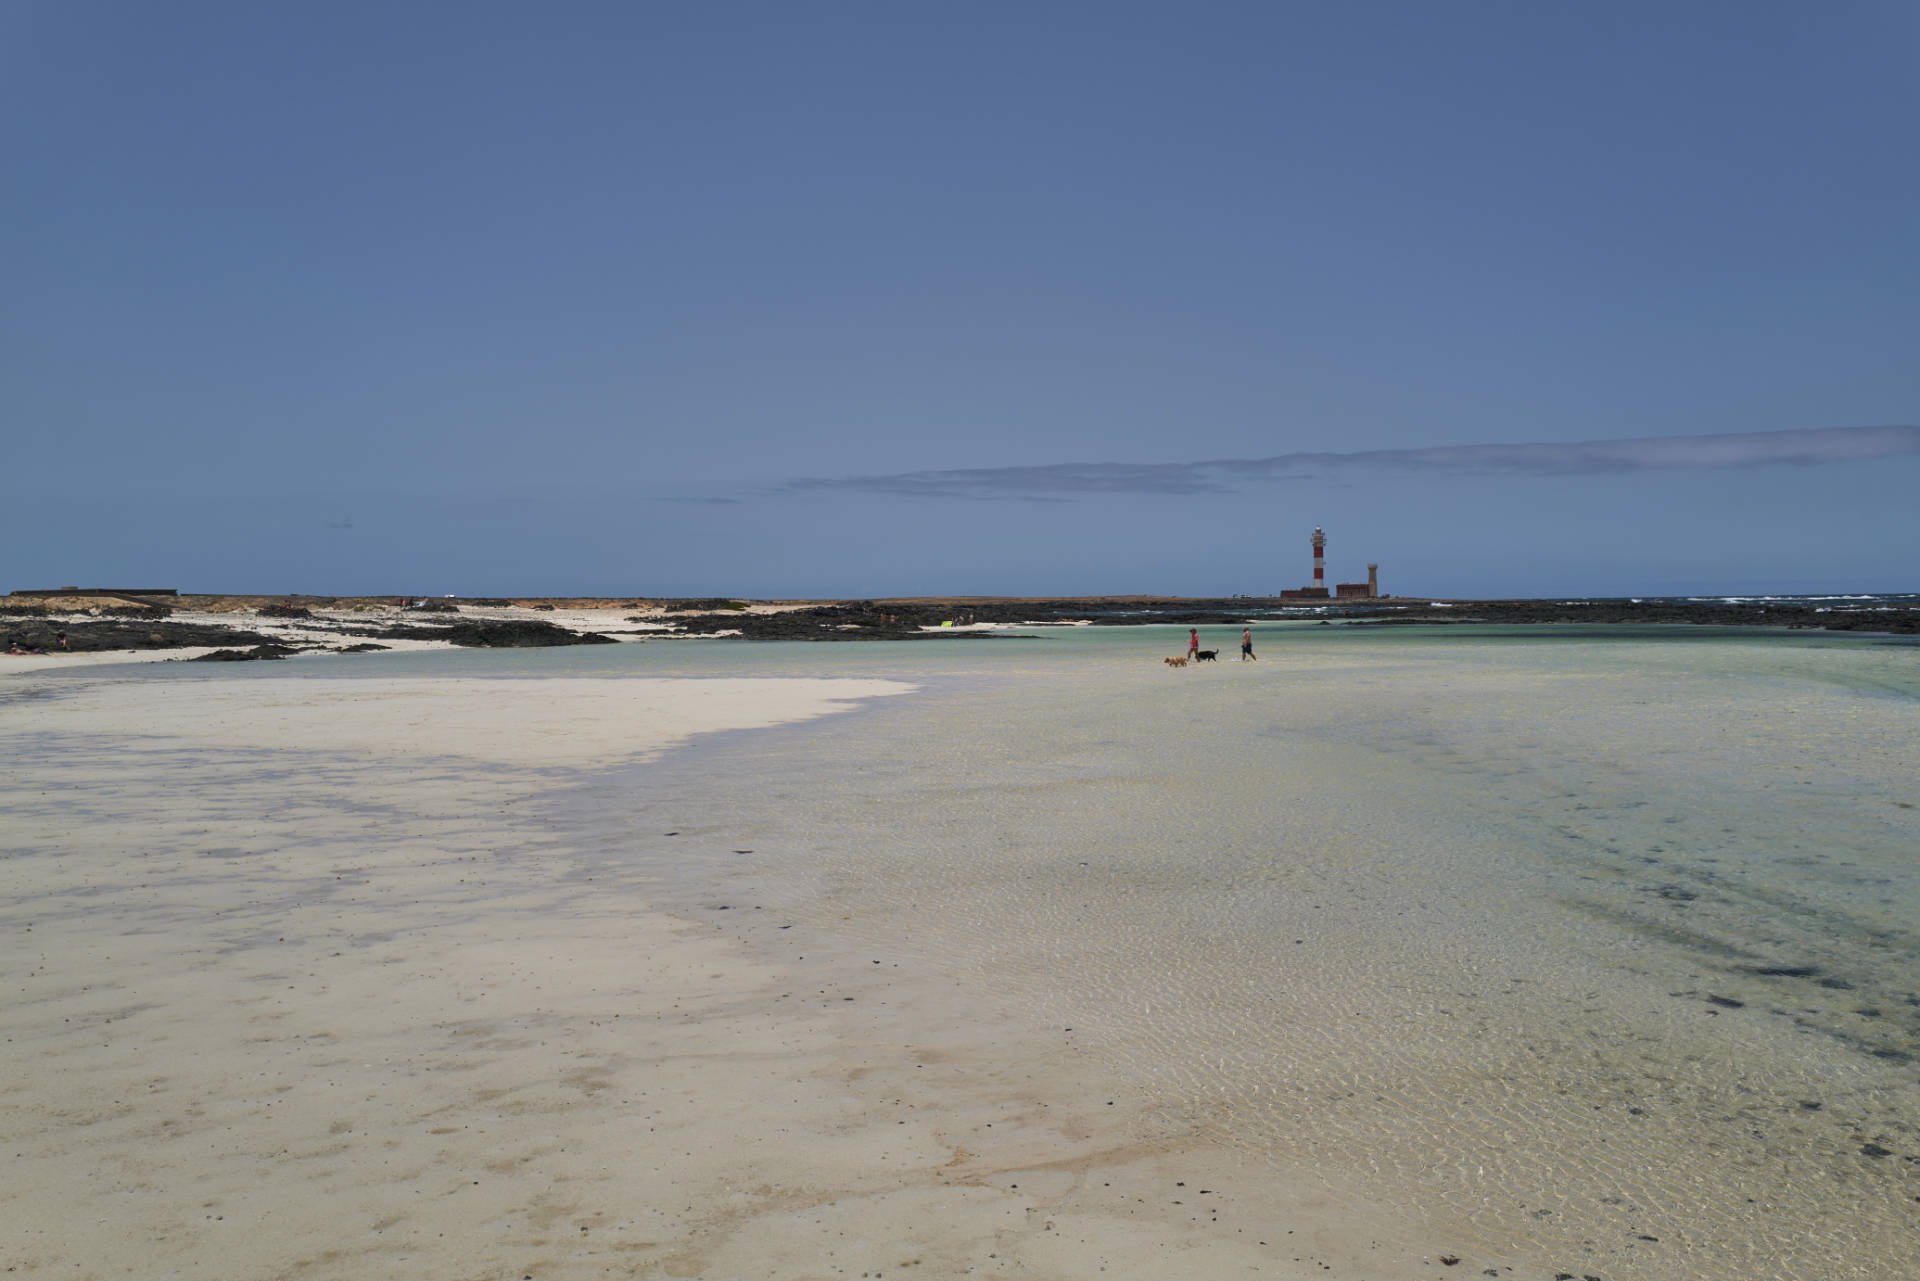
1177	662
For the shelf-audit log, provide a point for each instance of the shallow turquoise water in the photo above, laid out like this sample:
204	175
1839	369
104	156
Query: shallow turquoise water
1014	647
1564	940
1591	947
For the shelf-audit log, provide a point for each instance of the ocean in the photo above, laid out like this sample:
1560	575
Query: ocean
1593	950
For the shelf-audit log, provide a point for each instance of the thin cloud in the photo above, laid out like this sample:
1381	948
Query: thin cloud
1045	484
1059	481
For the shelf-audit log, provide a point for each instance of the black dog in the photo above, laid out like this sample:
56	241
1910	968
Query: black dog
1206	655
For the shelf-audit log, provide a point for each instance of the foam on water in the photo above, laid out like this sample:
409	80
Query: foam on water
1593	950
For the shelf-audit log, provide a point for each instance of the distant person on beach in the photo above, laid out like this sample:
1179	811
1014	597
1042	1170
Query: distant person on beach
1193	641
1246	644
60	639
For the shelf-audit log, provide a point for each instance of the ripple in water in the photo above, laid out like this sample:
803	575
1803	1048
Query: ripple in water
1577	954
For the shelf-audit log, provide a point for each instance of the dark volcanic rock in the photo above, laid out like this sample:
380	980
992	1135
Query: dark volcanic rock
900	620
245	655
852	621
11	610
708	606
527	633
91	635
35	625
1698	613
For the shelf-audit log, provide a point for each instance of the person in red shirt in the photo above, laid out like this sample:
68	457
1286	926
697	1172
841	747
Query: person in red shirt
1193	641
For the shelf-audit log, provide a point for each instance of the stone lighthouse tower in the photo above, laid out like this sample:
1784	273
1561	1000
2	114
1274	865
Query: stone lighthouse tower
1319	561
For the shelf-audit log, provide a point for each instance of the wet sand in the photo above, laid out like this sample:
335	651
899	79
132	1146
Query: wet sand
298	992
996	976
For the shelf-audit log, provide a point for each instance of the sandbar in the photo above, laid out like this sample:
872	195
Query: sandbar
301	986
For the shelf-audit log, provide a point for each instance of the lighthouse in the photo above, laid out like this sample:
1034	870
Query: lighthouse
1343	591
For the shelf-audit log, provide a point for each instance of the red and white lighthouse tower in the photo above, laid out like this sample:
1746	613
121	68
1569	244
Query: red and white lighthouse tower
1319	561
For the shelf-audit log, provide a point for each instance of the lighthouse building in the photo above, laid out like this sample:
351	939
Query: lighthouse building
1343	591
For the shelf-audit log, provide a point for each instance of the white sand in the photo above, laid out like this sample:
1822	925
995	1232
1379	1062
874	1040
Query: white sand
295	990
27	664
538	722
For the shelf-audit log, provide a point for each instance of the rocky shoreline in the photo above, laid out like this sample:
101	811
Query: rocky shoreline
1895	620
268	629
919	620
238	628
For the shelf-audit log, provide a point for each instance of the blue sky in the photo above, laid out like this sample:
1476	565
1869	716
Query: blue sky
793	300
